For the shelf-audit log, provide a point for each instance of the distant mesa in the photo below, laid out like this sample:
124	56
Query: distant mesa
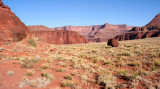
95	33
11	27
152	29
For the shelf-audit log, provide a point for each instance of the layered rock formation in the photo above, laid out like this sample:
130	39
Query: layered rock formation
60	37
11	27
152	29
97	33
39	28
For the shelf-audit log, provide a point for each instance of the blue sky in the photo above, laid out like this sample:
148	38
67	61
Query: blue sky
55	13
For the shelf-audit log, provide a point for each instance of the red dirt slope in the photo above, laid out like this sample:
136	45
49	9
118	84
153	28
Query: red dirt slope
11	27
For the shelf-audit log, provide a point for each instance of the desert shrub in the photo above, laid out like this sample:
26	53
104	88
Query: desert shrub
30	72
47	75
68	77
34	60
60	70
84	77
124	54
108	47
27	64
94	51
134	75
32	42
156	63
108	62
45	66
95	60
68	83
37	83
138	52
121	73
107	80
65	65
153	68
82	56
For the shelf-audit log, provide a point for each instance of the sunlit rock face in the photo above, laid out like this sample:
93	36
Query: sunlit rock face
11	27
152	29
60	37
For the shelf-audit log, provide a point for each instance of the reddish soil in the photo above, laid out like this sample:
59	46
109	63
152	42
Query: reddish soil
12	82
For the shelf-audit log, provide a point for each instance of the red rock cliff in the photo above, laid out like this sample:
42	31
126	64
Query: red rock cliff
11	28
152	29
39	28
60	37
97	33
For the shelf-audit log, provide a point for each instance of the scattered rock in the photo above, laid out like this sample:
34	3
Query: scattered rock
113	42
10	73
1	49
38	56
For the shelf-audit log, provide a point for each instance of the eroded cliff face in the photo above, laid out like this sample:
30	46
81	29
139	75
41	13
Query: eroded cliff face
152	29
60	37
97	33
39	28
11	27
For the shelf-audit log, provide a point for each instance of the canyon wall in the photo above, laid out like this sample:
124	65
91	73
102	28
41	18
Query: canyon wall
152	29
11	27
60	37
97	33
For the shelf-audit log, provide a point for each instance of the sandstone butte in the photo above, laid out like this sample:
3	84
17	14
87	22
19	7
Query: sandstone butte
60	37
96	33
11	27
152	29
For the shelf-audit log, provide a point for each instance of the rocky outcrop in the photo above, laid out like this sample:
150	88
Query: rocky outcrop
97	33
3	6
60	37
113	43
152	29
11	27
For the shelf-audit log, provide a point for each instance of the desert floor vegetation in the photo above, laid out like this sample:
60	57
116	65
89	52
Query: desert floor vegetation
134	64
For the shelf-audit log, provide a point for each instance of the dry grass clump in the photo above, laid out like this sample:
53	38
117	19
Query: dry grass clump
30	72
27	63
45	66
37	83
32	42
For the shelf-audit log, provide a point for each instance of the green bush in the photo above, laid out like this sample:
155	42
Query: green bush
32	42
68	77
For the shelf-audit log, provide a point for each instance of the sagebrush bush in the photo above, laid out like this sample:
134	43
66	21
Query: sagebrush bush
32	42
